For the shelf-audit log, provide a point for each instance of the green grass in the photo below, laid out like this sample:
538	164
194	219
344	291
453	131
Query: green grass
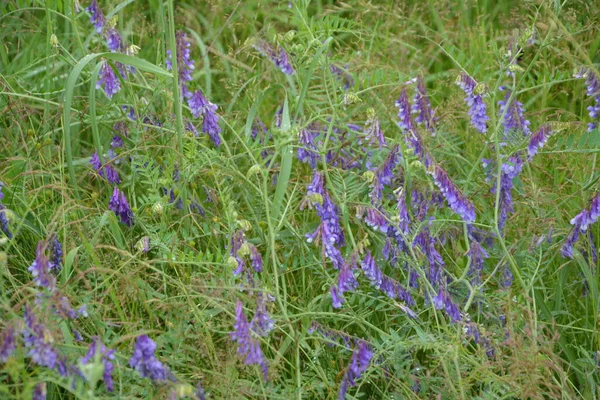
182	293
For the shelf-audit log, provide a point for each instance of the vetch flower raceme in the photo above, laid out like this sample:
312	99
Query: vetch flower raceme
248	346
380	281
4	223
262	323
476	254
307	151
511	111
40	269
361	358
474	99
345	282
384	175
538	140
105	356
422	107
373	130
57	253
145	363
97	18
279	58
592	83
39	341
185	65
119	205
411	136
108	80
7	343
210	120
456	200
580	224
443	301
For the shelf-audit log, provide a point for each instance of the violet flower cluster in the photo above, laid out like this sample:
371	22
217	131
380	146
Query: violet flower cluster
580	223
119	205
361	358
4	223
405	122
185	65
380	281
477	255
512	113
261	323
40	269
307	151
346	281
239	249
456	200
592	83
145	363
329	229
422	107
105	356
248	347
200	106
538	140
509	170
443	301
106	171
474	99
384	175
279	58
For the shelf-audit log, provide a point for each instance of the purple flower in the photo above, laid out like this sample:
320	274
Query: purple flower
422	107
509	171
329	229
280	59
145	363
210	120
411	136
476	254
511	112
239	248
384	175
40	269
443	301
38	340
375	218
373	131
185	65
108	81
592	84
307	151
380	281
436	263
261	323
57	253
507	277
4	223
119	205
114	41
343	75
345	282
39	391
247	345
7	343
97	18
200	391
361	358
474	100
105	355
580	224
456	200
538	140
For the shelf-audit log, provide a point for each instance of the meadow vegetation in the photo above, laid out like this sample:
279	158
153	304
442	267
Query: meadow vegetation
299	199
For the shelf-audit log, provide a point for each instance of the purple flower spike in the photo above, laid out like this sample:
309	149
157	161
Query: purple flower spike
4	223
280	59
443	301
373	131
108	81
509	171
580	224
474	99
538	140
456	200
40	269
592	83
307	151
39	391
476	254
185	65
39	341
7	343
262	323
210	122
422	107
57	254
119	205
512	113
114	41
247	345
97	18
361	358
106	356
345	282
145	363
329	229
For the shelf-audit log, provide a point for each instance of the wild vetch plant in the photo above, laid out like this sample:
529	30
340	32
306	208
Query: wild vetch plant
299	199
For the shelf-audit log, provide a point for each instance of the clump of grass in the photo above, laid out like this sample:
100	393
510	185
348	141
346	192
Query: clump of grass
306	199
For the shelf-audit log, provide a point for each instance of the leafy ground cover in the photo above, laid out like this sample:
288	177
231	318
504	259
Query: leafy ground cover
310	200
